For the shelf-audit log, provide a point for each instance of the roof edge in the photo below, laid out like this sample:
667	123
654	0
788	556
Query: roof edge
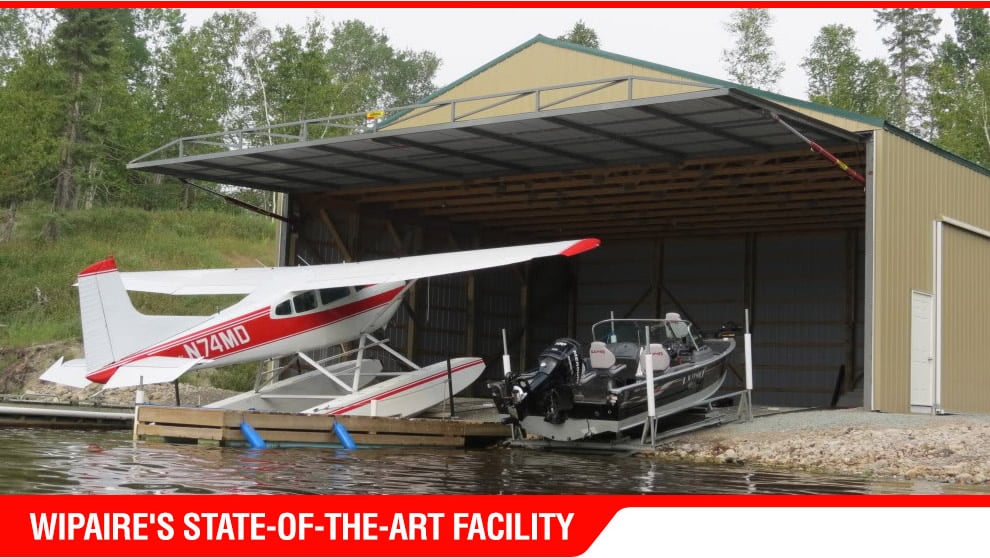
904	134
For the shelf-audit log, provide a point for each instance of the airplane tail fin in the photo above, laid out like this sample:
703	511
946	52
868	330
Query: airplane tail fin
112	328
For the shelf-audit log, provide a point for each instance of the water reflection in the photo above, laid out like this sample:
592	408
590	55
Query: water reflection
50	461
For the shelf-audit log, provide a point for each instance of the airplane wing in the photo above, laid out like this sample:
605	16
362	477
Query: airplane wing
246	280
198	281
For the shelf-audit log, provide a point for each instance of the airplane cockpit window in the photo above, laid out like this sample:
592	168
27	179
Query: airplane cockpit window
284	308
304	302
330	295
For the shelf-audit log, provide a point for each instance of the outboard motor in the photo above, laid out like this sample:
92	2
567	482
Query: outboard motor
545	390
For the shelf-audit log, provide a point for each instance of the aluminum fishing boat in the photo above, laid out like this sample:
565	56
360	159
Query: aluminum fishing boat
574	394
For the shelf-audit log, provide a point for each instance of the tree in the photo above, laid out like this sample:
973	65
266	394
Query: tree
959	91
83	45
371	73
752	60
31	121
909	47
839	78
582	35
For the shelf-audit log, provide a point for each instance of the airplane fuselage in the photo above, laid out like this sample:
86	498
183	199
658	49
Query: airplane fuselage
240	334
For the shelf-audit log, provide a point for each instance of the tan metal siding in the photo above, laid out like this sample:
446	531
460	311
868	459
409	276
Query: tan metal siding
965	307
914	187
543	65
844	123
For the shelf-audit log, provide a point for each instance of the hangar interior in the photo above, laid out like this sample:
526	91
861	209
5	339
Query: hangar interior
705	204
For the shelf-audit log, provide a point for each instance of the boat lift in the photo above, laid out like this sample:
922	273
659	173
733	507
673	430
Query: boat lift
651	433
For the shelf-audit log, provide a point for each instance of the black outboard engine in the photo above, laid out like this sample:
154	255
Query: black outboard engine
547	389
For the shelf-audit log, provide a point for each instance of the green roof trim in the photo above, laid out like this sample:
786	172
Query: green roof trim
865	119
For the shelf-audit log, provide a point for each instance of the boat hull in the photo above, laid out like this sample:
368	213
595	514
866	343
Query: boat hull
563	399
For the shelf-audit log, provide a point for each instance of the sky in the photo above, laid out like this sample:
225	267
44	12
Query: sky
690	39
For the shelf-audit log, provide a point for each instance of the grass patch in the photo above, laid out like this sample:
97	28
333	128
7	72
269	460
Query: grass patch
37	301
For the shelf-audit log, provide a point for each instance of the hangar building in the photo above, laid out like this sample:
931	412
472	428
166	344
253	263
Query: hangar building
706	197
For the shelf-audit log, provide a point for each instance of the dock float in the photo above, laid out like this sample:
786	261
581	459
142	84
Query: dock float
223	427
63	416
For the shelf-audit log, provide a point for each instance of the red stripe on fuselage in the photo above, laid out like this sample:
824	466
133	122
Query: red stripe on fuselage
261	328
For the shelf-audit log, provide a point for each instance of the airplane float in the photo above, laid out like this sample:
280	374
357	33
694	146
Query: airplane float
286	311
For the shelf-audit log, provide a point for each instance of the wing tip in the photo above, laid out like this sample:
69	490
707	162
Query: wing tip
580	246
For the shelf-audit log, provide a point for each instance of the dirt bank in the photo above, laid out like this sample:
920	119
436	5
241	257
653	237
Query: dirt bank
948	448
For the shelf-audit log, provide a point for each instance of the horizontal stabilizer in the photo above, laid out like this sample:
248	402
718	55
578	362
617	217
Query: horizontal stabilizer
71	373
151	370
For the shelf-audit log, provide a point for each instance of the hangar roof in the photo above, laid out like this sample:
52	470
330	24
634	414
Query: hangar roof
717	122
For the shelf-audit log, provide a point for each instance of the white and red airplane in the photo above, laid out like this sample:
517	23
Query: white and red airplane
287	310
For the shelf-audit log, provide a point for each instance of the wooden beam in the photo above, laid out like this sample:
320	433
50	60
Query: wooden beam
335	235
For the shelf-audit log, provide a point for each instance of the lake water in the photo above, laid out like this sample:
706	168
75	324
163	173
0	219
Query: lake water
86	462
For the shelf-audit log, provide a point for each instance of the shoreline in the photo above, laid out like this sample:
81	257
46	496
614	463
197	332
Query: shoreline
943	449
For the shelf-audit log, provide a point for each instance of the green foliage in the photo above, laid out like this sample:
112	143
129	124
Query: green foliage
582	35
838	77
752	60
237	377
37	302
909	47
104	86
960	87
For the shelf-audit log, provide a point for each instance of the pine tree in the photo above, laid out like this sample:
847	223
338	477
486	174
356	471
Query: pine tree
582	35
910	51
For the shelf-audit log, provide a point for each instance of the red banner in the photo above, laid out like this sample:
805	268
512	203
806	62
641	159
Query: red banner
238	525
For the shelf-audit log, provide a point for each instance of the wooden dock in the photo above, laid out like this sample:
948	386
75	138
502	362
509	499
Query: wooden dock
223	427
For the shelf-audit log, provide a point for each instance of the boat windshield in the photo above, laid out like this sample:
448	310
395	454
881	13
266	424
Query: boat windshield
634	331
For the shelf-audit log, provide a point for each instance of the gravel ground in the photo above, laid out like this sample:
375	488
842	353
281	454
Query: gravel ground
947	448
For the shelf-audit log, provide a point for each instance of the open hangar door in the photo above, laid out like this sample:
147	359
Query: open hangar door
701	197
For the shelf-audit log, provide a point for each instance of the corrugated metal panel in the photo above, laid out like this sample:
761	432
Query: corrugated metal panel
914	187
549	304
800	324
708	277
497	300
965	308
614	278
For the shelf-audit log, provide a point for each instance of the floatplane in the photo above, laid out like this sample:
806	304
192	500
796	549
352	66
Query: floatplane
286	311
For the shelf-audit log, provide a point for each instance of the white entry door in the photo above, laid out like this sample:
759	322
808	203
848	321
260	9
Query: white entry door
922	369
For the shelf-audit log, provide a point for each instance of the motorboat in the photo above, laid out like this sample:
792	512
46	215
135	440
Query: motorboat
575	393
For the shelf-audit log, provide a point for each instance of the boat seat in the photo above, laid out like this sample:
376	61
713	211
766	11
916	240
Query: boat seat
661	360
675	324
601	358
